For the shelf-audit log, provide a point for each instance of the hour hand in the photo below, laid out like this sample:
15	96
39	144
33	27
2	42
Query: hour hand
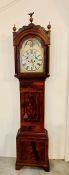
26	57
36	57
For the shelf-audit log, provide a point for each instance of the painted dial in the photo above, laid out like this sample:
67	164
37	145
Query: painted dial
31	56
31	60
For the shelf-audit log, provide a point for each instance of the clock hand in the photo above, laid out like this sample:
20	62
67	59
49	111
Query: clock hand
26	57
32	61
35	57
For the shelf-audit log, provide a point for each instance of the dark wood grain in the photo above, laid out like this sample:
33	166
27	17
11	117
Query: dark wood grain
32	99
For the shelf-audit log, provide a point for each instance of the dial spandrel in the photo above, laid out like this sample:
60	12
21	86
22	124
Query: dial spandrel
31	56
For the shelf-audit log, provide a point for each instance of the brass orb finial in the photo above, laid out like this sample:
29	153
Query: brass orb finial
14	28
49	26
31	14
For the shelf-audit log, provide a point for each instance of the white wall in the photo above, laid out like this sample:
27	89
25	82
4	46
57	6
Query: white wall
56	85
67	133
67	121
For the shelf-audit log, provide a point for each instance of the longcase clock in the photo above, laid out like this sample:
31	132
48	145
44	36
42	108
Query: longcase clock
31	48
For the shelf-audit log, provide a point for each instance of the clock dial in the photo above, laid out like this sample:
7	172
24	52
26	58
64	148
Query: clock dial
32	60
31	56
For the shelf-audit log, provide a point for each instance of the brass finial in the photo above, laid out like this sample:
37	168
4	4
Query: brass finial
14	28
49	26
31	14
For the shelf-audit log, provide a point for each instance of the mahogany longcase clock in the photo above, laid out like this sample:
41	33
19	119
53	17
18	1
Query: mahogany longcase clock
31	47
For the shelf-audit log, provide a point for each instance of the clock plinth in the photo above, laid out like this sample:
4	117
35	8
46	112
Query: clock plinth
31	48
32	149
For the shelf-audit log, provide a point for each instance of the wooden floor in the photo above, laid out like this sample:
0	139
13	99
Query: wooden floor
57	167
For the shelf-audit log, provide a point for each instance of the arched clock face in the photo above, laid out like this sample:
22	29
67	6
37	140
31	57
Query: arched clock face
31	56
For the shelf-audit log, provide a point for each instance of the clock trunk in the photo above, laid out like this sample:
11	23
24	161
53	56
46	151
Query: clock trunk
32	105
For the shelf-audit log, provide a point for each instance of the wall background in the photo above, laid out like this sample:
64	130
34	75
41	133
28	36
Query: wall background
15	12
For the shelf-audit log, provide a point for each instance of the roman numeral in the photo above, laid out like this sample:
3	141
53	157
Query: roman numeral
24	64
38	64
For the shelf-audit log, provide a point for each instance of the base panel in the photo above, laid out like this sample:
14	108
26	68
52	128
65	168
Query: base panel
32	150
19	166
